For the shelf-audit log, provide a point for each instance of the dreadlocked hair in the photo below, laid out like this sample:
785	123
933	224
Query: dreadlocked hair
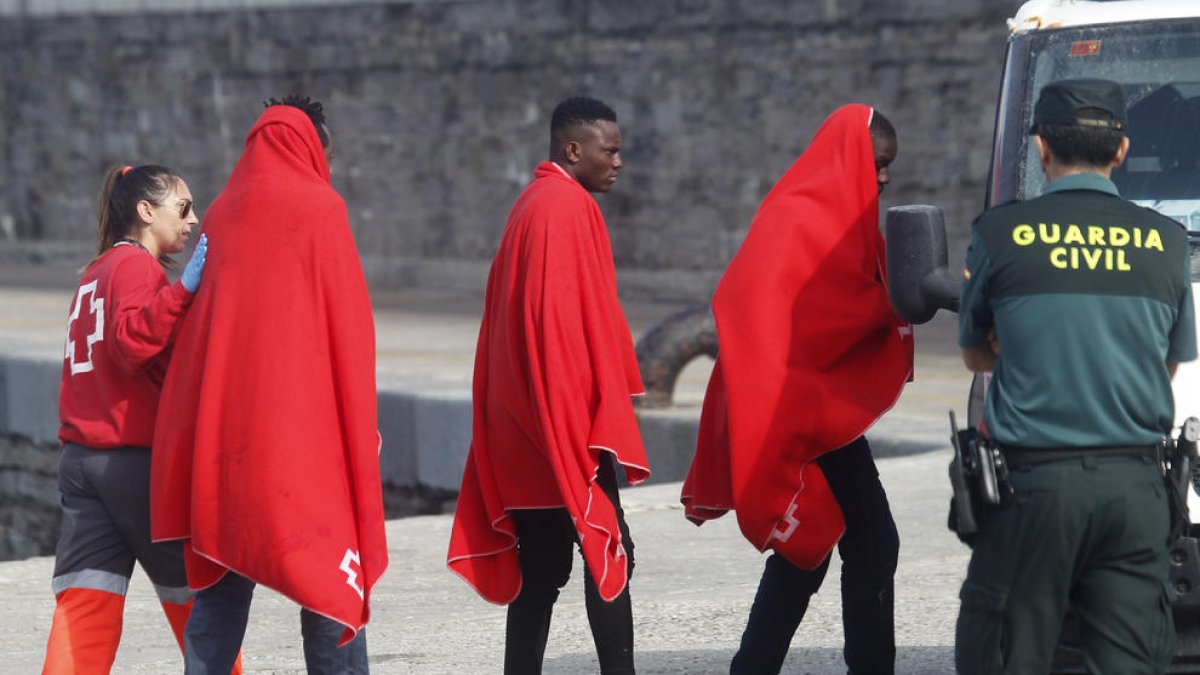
314	110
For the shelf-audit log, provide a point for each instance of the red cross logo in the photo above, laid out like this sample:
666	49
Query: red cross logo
85	331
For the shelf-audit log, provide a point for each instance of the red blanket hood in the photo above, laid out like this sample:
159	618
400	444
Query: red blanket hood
811	353
266	445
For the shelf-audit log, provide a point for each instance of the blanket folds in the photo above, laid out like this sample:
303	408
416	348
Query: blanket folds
266	451
554	372
811	353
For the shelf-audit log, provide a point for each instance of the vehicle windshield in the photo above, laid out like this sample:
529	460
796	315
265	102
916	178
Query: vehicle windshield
1158	64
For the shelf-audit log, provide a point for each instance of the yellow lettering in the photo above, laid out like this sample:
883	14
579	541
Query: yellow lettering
1058	257
1137	237
1118	236
1095	235
1108	259
1074	235
1121	264
1050	237
1154	240
1023	235
1092	260
1074	258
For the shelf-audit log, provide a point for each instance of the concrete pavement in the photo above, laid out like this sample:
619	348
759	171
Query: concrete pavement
692	587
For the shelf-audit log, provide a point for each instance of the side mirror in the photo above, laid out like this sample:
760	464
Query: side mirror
919	282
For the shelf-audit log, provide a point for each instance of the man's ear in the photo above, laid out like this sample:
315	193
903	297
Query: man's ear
573	151
1043	150
1122	151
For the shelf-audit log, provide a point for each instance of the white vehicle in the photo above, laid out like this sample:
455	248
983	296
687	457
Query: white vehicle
1152	48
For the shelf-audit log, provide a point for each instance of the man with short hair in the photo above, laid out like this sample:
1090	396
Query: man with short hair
266	452
1079	302
553	420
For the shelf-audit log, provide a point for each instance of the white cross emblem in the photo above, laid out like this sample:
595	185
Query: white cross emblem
790	523
96	309
352	573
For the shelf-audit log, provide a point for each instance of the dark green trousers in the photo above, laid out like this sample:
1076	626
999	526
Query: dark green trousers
1089	531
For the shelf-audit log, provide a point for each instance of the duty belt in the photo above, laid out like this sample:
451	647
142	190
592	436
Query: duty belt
1019	455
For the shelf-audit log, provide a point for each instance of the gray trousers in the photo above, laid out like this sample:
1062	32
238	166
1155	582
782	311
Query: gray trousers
106	525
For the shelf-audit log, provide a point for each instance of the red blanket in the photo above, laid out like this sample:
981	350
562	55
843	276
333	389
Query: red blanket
554	372
266	445
811	352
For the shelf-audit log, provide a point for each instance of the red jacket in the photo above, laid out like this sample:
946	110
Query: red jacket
121	323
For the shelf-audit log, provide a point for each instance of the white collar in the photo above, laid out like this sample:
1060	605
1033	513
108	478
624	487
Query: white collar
562	170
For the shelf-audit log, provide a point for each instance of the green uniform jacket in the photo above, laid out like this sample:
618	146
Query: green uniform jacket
1090	297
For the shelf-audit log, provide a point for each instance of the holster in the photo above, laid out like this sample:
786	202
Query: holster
978	478
1179	459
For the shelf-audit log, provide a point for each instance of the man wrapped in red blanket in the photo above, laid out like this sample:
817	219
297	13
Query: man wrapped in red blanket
811	356
554	372
268	464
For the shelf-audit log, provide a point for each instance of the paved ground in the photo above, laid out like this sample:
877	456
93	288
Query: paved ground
691	590
692	587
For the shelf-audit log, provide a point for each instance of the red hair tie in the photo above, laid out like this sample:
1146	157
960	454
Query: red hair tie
126	170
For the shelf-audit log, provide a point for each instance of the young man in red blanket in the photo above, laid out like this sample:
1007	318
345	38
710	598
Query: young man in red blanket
553	419
811	356
268	463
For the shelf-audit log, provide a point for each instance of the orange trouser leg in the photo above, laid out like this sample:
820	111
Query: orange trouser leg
85	632
177	616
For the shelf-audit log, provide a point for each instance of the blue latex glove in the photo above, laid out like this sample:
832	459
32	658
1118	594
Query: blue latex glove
195	266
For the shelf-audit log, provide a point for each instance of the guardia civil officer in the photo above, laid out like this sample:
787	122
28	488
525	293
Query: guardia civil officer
1078	302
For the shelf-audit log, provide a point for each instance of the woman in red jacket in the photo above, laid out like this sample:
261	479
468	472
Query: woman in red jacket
122	321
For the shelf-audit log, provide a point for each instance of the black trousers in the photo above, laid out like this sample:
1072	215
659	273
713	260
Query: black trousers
868	550
1089	531
546	538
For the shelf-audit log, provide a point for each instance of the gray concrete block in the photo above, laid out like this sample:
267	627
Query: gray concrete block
397	426
443	438
31	398
670	440
4	418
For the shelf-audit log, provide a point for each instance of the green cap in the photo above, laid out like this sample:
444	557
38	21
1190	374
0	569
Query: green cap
1060	104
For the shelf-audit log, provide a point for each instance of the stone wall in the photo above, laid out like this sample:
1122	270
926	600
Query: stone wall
439	110
30	513
29	510
421	459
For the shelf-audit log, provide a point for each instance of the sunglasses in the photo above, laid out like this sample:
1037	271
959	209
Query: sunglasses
185	209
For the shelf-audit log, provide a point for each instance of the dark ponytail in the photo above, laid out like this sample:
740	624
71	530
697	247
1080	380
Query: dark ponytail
123	188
